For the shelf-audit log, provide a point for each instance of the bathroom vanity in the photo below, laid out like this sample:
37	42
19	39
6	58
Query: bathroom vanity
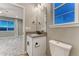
36	44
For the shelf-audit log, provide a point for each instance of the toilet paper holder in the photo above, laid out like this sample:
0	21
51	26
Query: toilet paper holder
36	44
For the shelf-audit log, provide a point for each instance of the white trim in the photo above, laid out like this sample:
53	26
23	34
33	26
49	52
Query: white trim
65	26
53	15
76	13
24	31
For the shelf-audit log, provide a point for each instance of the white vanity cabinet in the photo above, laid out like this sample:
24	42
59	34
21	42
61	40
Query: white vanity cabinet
36	45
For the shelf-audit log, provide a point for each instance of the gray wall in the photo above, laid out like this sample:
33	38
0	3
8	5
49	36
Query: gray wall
67	35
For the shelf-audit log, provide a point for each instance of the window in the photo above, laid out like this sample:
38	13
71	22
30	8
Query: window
3	25
10	25
57	4
6	25
64	13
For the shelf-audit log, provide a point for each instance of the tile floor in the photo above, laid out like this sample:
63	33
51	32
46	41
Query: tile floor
11	46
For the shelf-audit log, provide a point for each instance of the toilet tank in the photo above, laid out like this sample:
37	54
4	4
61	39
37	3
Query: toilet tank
59	48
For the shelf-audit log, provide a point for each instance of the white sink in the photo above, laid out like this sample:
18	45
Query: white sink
34	35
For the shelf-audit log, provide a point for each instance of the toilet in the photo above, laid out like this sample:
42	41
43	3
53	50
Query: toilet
58	48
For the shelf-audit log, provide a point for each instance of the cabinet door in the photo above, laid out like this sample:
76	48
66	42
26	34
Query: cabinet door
39	46
64	13
29	45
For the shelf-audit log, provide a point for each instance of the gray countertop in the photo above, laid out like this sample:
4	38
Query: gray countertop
34	34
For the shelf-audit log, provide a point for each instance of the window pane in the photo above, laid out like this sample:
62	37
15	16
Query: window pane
6	25
66	18
65	8
3	29
65	14
57	4
59	20
10	29
69	17
3	23
10	25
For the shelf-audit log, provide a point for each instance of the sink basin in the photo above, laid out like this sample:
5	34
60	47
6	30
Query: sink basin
39	32
34	35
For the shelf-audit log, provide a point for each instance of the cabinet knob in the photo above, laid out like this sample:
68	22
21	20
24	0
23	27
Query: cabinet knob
27	42
36	44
